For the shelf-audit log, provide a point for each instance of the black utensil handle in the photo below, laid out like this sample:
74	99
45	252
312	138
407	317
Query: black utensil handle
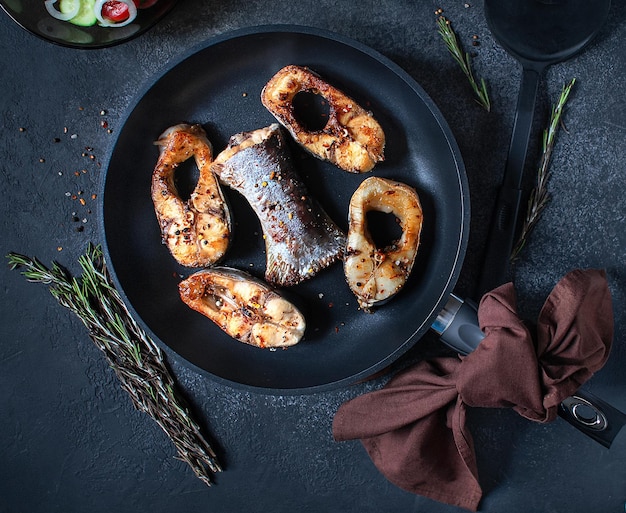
496	259
458	328
504	218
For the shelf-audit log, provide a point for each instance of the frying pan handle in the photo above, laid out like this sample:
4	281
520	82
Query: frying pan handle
458	328
504	218
594	417
457	325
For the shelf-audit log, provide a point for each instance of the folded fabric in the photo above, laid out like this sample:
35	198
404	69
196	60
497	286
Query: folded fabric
414	428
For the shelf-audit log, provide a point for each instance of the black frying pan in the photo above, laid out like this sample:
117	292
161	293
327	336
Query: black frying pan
218	85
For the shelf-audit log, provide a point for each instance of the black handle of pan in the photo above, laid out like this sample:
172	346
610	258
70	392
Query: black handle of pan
504	219
458	328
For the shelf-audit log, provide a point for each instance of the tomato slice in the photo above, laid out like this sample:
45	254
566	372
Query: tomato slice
115	11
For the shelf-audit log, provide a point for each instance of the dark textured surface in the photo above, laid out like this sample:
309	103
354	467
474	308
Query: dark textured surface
70	439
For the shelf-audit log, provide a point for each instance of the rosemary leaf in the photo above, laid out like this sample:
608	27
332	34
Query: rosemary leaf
134	357
463	59
540	196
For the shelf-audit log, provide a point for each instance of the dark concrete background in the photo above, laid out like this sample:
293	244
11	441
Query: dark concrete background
70	439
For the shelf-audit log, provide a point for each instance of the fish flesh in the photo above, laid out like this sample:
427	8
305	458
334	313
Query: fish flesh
244	307
376	274
300	237
196	231
352	139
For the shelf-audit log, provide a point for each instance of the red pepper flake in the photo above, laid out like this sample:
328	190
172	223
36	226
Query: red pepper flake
330	305
59	248
94	196
82	201
104	123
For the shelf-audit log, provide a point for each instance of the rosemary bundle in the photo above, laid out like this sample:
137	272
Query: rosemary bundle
539	196
463	59
136	359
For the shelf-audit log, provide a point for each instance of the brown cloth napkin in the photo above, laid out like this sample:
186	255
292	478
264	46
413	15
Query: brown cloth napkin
414	428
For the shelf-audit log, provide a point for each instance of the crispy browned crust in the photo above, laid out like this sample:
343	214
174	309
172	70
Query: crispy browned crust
244	307
352	139
376	274
197	231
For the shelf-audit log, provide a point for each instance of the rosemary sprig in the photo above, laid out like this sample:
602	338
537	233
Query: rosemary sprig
463	59
136	359
539	196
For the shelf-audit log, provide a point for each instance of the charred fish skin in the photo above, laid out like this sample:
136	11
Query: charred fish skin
352	138
197	231
244	307
300	237
375	274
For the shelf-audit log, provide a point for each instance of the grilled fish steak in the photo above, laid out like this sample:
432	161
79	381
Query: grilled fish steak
197	231
244	307
300	238
352	139
376	274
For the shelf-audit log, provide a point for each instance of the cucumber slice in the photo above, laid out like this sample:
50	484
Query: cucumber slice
86	16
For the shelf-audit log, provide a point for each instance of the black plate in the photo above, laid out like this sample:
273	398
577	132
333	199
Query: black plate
219	86
33	16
